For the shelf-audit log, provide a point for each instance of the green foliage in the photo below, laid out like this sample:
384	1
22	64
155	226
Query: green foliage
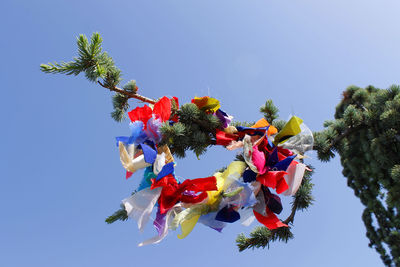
130	86
270	111
112	77
242	123
279	124
323	147
121	106
119	215
97	66
91	60
366	135
261	237
303	197
195	131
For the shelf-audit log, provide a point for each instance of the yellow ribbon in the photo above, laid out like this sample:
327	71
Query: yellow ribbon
189	217
291	128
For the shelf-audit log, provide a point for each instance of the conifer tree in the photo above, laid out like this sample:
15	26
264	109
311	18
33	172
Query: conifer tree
366	135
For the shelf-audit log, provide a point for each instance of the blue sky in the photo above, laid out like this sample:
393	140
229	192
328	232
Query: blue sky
61	174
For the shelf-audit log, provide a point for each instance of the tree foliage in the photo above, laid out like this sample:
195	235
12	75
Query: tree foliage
98	67
195	131
366	135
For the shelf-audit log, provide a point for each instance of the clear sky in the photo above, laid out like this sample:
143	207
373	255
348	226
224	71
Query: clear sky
61	175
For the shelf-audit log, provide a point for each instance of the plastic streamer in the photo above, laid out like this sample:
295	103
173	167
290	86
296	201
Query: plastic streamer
245	191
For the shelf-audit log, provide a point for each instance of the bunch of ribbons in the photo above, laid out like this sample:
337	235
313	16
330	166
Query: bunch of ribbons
244	191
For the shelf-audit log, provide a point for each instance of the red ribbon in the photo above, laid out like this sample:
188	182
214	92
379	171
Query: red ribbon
275	180
141	114
271	221
172	192
162	110
224	138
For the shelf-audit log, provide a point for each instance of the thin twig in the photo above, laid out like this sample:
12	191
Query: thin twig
129	94
292	214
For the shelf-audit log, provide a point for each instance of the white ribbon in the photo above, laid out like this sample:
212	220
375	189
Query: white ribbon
140	205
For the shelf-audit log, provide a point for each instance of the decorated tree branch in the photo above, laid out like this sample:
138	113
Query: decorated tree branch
270	161
269	164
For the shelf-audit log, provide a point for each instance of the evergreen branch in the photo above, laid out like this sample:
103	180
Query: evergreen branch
270	111
67	68
334	142
119	215
98	67
91	60
121	105
261	237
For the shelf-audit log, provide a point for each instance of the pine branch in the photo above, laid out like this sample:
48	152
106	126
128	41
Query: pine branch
98	67
261	237
270	111
119	215
91	60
